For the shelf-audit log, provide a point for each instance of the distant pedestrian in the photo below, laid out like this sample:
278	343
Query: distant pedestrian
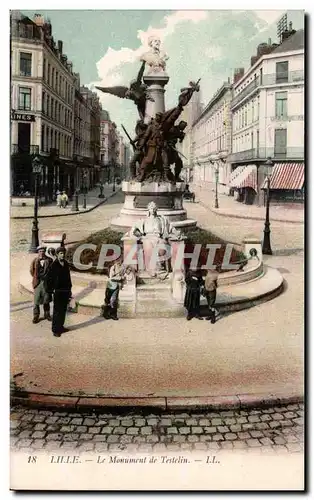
59	283
59	199
194	282
39	270
210	291
64	199
114	285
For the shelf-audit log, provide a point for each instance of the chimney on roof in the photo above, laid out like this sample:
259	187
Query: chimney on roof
39	19
238	73
60	46
286	34
253	60
47	28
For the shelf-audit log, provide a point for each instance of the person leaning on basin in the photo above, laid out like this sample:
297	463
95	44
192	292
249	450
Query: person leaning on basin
209	291
39	270
59	284
117	275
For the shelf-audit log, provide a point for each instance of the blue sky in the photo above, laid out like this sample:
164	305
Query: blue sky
104	46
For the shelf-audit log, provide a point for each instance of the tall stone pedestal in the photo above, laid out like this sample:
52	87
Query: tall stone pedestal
156	84
167	196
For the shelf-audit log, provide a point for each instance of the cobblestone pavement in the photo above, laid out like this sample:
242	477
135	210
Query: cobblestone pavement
275	430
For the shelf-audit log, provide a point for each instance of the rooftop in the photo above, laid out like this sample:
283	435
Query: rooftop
294	42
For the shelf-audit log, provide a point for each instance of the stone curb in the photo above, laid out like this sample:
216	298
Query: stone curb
236	402
84	211
236	216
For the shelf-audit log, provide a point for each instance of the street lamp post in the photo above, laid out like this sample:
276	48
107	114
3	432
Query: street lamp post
114	179
37	168
75	204
216	190
266	248
84	197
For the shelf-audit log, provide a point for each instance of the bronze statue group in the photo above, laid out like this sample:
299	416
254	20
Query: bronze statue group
155	142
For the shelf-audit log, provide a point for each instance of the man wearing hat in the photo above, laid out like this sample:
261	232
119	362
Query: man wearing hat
59	283
39	271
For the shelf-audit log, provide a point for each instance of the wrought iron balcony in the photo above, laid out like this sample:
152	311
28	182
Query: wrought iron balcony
271	79
292	153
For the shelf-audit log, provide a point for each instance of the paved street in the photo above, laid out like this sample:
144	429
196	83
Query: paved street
92	200
76	227
242	347
228	206
286	238
274	430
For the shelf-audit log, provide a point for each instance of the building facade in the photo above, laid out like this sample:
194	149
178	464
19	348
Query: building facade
210	142
42	100
51	115
109	147
268	121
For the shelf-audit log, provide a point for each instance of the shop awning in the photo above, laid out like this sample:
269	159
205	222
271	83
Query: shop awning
244	176
286	176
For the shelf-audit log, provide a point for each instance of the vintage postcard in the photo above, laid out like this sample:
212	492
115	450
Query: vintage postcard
157	250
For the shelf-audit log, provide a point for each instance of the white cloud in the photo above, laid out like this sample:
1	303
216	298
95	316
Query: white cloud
171	21
213	52
110	63
110	66
269	16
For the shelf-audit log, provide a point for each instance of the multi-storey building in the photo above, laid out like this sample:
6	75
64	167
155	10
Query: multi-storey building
268	121
109	146
89	159
190	114
211	142
42	98
124	158
51	114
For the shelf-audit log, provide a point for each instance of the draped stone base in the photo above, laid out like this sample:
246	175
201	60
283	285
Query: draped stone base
167	196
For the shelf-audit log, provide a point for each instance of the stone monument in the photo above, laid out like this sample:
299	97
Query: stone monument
155	153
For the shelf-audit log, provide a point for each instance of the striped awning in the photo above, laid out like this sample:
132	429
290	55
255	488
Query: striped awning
244	176
286	176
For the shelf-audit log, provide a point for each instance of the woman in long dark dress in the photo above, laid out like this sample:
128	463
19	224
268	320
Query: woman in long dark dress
194	282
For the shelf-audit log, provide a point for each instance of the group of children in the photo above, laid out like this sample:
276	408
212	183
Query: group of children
196	286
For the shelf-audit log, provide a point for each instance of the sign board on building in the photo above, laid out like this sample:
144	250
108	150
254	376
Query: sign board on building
24	117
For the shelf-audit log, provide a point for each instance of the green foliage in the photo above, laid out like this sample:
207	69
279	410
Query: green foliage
108	236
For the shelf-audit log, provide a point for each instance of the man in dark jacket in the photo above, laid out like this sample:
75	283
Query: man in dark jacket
39	270
59	283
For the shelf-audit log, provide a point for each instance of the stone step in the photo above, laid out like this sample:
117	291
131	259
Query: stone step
157	286
147	302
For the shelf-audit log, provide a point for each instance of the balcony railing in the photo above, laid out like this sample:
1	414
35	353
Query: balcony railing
292	153
18	149
271	79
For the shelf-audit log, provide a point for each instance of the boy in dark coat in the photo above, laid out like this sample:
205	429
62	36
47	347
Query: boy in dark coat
59	283
194	281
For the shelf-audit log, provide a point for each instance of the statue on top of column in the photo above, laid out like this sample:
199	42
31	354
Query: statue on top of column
155	58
